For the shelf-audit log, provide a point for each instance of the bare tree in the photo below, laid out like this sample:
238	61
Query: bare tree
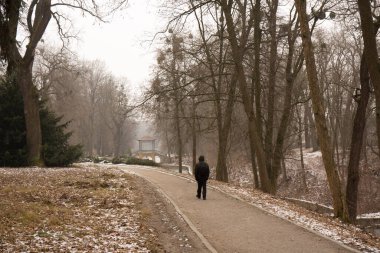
238	45
339	205
371	53
20	61
218	78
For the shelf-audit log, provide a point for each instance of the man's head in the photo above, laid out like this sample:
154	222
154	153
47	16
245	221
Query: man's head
201	158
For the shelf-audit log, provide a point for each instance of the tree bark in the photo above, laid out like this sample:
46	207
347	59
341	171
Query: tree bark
31	112
287	111
194	134
339	205
224	132
271	91
357	142
306	129
237	54
178	130
20	67
371	55
256	86
303	172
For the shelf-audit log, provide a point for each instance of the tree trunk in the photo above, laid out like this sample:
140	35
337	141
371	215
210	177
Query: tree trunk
255	140
307	130
222	170
286	113
118	135
21	68
311	124
91	143
31	112
357	142
345	132
194	133
179	137
223	123
254	169
224	133
256	89
271	92
303	172
339	205
284	171
256	86
371	55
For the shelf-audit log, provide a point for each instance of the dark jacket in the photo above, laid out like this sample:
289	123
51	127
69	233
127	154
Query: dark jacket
201	171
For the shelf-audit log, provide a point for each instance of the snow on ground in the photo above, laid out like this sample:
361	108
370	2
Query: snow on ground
332	228
322	224
69	210
370	215
96	210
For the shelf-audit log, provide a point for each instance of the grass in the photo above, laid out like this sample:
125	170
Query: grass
62	204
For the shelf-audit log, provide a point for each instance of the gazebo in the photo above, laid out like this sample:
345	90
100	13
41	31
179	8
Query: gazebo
147	149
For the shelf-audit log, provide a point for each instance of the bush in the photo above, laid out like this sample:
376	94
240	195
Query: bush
134	161
118	160
137	161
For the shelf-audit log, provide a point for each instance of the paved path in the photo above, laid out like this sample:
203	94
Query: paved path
231	225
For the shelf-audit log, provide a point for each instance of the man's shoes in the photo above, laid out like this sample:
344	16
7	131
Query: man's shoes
198	196
204	198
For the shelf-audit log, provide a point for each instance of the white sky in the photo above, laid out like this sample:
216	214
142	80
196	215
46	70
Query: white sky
123	43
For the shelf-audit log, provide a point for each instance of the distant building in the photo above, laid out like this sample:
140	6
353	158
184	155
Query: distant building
147	149
147	144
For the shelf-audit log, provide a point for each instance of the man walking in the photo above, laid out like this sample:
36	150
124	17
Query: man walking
201	172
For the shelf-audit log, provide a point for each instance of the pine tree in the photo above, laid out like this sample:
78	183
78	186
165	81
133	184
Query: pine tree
12	126
56	150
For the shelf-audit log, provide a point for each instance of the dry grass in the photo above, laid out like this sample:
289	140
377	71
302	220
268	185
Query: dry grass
71	209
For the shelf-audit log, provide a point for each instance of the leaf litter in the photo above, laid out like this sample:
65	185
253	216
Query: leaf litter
70	209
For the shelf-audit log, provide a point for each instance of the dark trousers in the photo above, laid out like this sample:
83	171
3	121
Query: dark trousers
201	187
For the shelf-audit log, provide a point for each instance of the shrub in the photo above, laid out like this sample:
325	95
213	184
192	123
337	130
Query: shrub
118	160
133	161
137	161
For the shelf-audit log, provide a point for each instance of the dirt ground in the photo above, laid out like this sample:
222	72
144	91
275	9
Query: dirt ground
89	209
110	209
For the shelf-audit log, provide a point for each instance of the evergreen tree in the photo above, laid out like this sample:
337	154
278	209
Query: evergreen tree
12	126
56	150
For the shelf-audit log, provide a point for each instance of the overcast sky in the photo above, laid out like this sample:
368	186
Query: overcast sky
123	43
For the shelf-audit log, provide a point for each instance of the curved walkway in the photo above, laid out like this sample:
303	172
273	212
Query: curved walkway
230	225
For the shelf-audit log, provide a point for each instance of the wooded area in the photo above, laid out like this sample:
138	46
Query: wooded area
271	77
233	78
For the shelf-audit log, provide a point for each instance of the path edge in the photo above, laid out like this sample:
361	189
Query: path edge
267	212
178	210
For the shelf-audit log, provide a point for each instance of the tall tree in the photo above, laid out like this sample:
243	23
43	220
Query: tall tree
218	79
238	45
268	141
256	86
20	66
357	142
339	205
371	54
20	60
